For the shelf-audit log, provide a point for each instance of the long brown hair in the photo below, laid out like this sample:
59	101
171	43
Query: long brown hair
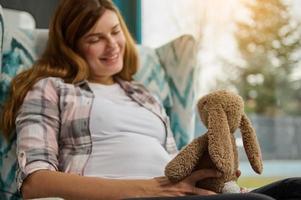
72	20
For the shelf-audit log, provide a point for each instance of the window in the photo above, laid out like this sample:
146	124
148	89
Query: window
254	48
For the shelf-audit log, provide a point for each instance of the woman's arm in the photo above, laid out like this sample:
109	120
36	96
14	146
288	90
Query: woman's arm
46	183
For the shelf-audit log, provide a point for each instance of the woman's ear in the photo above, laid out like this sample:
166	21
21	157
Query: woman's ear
219	140
251	144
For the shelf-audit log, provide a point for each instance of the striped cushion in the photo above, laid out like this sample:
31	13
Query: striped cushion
18	54
153	75
1	34
13	57
178	58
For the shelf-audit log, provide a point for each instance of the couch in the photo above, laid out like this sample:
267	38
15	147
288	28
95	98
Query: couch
168	71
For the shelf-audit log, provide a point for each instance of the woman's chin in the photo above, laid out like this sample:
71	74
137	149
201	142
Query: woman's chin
113	69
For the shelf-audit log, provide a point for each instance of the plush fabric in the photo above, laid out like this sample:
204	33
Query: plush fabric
222	112
166	71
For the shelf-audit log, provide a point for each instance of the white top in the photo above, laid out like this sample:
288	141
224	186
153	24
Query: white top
127	138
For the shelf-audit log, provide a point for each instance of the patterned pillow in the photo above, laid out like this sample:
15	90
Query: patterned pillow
153	75
1	34
178	58
16	55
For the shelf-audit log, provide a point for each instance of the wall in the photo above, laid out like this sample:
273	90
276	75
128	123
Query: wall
41	9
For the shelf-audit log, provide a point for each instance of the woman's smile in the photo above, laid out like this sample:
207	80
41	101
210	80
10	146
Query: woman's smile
110	59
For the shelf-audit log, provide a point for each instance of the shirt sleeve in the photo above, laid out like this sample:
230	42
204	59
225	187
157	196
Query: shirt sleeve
37	127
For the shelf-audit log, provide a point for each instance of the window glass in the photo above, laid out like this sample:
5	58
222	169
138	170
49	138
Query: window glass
252	47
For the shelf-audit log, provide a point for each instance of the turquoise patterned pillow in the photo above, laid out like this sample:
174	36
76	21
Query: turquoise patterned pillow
1	34
178	58
152	75
16	55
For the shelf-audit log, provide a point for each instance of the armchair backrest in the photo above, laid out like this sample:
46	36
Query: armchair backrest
167	71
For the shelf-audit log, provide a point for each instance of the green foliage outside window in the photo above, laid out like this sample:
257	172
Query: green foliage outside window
270	44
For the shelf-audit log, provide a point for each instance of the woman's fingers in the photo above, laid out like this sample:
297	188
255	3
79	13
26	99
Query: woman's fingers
200	191
187	186
203	174
200	175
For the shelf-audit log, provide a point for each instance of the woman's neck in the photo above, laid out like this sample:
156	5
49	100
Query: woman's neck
103	81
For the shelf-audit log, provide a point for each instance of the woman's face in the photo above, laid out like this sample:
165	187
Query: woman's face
103	48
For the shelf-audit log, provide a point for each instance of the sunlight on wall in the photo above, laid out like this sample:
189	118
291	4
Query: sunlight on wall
165	20
211	22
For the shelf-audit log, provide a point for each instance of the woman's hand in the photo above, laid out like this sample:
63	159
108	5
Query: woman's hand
186	186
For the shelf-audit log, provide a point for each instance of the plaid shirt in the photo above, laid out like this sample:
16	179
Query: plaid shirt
53	125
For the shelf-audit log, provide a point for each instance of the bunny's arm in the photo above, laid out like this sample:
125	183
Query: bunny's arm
185	162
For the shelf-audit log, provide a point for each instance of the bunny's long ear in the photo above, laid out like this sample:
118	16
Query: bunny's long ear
251	144
219	140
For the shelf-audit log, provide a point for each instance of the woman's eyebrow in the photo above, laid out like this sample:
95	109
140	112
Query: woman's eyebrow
93	34
116	26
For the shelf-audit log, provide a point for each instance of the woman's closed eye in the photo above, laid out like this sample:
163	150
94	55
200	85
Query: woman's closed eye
94	39
116	31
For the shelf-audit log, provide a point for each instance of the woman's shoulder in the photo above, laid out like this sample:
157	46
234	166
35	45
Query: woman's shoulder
50	81
49	85
44	88
54	87
57	82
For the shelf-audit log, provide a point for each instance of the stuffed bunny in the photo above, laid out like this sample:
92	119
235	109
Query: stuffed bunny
222	112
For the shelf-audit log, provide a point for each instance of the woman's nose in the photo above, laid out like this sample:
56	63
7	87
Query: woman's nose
111	42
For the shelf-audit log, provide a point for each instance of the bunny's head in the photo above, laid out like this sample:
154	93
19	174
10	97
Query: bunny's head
223	103
222	112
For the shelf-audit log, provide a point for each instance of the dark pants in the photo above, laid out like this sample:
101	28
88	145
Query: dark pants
245	196
287	189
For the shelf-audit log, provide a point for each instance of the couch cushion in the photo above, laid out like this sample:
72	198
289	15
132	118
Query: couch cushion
178	58
1	34
9	47
153	75
18	54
